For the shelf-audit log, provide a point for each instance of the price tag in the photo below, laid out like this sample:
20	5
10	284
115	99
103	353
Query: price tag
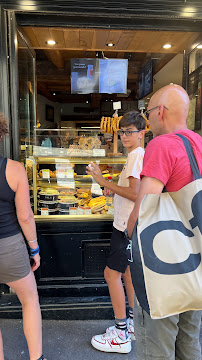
141	104
44	211
46	174
62	160
70	174
98	152
96	189
60	173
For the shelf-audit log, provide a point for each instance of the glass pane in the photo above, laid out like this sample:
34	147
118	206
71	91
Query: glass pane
27	114
195	90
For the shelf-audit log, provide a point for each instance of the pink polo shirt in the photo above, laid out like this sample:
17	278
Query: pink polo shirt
166	159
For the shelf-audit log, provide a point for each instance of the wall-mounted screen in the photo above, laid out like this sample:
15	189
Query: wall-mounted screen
99	75
84	76
113	76
146	80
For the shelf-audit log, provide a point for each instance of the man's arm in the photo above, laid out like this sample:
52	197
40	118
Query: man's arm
148	185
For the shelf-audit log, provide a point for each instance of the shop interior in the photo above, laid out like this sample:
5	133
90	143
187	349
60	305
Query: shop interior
53	114
55	47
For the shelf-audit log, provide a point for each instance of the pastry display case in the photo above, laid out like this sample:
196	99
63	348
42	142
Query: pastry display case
60	189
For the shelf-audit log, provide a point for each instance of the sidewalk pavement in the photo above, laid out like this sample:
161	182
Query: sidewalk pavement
62	340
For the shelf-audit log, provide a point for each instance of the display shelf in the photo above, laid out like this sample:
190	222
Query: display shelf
84	160
55	171
73	218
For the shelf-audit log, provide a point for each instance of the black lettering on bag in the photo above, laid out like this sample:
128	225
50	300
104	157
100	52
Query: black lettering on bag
196	206
151	260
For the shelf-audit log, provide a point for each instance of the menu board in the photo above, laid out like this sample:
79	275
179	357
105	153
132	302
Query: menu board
84	76
99	75
146	80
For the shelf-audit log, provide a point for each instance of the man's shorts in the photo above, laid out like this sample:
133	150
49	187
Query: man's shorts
119	254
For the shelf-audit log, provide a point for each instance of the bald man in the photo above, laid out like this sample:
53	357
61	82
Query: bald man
166	164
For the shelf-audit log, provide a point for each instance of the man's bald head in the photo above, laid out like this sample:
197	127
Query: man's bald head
176	100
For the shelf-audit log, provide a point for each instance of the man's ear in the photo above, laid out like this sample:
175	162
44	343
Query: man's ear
160	112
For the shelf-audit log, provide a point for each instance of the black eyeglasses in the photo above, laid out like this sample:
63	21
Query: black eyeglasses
146	113
127	132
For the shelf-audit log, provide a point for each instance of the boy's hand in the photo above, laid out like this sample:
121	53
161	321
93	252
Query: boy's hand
95	172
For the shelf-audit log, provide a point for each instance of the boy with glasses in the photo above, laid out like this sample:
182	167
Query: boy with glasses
118	338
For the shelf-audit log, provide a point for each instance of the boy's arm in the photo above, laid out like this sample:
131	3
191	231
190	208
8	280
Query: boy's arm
126	192
129	192
148	185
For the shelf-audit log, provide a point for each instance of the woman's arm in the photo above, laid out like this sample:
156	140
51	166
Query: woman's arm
24	212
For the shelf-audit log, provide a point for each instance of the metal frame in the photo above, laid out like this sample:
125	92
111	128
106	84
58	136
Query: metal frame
4	82
108	20
14	81
13	68
186	56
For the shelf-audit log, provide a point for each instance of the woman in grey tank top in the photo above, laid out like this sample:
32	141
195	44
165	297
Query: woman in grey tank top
15	270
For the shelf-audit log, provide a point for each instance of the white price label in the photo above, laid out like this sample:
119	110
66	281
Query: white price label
70	174
98	152
44	211
60	173
46	174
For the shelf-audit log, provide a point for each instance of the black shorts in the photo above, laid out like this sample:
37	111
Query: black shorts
119	254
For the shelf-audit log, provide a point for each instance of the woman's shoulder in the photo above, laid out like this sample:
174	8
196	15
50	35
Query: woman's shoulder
16	167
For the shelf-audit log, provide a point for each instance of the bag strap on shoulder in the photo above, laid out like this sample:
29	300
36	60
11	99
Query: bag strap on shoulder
191	156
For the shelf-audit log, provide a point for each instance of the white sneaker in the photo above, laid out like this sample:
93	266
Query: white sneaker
130	326
111	342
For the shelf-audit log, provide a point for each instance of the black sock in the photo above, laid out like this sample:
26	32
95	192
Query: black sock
130	313
121	324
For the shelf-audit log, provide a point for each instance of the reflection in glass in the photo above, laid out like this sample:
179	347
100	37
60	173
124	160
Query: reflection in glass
27	113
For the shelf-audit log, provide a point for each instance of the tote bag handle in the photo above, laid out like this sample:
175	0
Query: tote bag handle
191	156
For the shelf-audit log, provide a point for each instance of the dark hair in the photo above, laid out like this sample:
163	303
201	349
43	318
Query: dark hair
3	125
133	118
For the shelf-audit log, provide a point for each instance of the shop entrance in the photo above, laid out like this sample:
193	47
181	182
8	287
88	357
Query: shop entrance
74	248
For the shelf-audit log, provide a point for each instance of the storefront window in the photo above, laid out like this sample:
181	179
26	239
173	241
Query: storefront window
27	117
194	90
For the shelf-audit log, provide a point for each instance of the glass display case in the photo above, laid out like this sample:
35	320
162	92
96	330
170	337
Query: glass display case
59	185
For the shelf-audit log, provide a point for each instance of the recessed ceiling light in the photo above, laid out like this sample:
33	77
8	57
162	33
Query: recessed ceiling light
167	46
54	94
199	46
110	44
189	11
51	42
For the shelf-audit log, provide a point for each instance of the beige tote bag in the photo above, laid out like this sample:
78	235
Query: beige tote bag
167	249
